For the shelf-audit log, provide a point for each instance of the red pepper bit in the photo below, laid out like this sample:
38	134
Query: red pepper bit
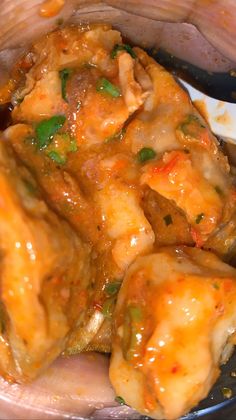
205	139
197	237
228	285
97	306
175	368
167	168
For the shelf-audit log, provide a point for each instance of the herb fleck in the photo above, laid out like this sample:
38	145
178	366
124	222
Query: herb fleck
64	76
168	220
46	129
103	85
112	288
146	153
107	308
123	47
199	218
56	157
120	400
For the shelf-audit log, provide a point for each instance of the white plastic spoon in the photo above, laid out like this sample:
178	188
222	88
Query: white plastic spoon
221	115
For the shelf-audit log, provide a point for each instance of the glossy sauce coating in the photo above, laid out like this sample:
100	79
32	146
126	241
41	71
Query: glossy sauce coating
174	315
50	8
119	152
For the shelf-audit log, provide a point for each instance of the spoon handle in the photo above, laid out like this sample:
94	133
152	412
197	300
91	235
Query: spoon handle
220	115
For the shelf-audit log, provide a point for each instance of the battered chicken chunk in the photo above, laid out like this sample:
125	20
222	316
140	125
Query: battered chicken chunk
174	316
45	274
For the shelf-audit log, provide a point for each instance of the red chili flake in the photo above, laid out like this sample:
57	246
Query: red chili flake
205	139
175	368
97	306
167	168
228	285
197	237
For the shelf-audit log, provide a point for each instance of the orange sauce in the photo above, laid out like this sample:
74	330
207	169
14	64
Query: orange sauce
201	107
223	119
50	8
6	91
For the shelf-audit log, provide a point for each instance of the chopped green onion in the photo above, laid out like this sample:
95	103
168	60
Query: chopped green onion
103	85
56	157
112	288
216	286
64	76
46	129
108	306
227	392
146	153
168	220
120	400
199	218
135	313
117	136
189	125
73	145
68	143
123	47
132	330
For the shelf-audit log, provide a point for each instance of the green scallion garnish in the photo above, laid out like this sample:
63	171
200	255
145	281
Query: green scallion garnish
112	288
135	313
120	400
73	145
56	157
46	129
123	47
103	85
146	153
64	76
108	307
